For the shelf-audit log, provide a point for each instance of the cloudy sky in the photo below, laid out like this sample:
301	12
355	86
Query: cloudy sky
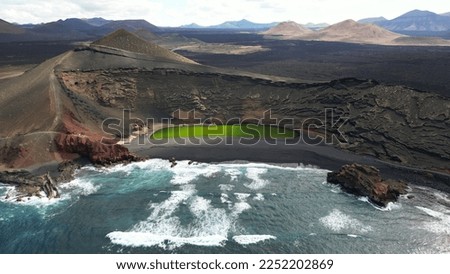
203	12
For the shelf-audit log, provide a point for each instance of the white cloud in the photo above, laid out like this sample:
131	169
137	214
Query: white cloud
177	12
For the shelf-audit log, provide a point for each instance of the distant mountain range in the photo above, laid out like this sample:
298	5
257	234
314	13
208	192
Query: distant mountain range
345	31
372	20
248	25
315	26
7	28
70	29
349	31
97	21
192	26
414	21
242	24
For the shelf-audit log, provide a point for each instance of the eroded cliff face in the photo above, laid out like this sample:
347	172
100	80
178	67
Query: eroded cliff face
99	87
393	123
97	152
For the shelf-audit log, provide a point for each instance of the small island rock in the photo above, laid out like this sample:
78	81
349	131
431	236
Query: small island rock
363	180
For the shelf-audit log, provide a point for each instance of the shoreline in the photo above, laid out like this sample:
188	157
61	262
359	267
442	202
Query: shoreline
301	154
320	156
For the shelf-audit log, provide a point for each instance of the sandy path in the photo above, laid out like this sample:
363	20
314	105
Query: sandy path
7	72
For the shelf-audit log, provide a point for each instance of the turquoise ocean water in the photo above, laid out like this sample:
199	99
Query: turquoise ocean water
148	207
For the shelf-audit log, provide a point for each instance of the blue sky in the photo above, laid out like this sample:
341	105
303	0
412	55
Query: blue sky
179	12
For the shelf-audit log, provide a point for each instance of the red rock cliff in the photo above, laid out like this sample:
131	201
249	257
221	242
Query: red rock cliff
96	151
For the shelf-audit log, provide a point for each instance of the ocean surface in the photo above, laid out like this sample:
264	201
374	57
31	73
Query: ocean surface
148	207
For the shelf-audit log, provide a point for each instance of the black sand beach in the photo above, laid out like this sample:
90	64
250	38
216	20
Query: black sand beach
300	153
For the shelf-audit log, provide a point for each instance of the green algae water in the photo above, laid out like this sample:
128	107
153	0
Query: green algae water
243	130
148	207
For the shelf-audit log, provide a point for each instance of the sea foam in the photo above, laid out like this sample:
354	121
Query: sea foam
440	224
226	187
339	222
254	174
185	173
209	227
80	186
143	239
252	239
258	197
234	173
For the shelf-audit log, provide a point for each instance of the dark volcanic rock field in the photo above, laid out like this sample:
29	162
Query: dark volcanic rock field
392	123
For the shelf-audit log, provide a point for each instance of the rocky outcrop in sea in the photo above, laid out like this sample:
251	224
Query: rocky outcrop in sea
363	180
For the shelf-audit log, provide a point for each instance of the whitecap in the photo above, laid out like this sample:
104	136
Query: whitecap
442	196
151	165
80	186
224	198
443	199
234	173
34	201
38	202
254	174
430	212
91	168
252	239
6	190
167	207
143	239
440	224
226	187
363	199
185	173
258	197
389	207
67	191
240	207
209	227
338	222
199	206
242	196
276	166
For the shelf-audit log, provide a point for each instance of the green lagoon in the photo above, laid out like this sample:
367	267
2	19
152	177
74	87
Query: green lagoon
242	130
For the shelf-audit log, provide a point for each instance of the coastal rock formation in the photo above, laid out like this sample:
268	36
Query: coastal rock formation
49	187
97	152
28	185
66	171
366	181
